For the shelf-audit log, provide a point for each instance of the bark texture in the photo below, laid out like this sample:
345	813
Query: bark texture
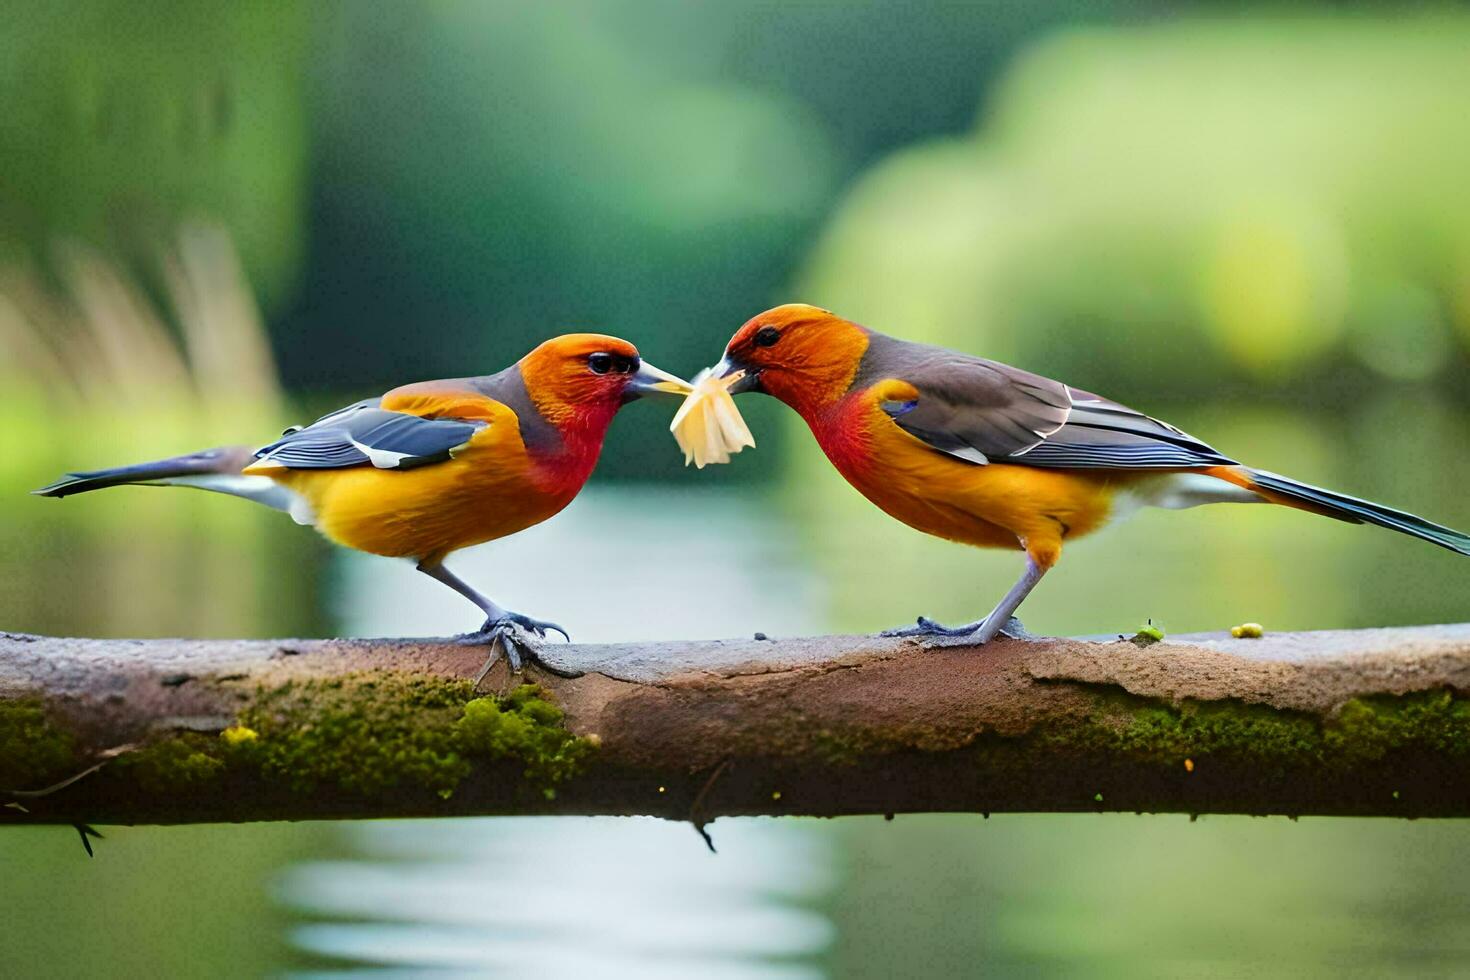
1368	722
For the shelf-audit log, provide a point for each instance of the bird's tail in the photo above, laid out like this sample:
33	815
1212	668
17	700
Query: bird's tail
176	471
1281	490
209	469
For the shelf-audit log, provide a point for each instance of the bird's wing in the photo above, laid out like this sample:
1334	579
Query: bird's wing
1101	434
364	434
975	409
983	411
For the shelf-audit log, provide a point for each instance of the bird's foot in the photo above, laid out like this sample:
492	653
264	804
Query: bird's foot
518	637
926	628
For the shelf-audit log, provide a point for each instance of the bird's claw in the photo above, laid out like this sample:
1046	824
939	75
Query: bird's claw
927	628
512	633
537	626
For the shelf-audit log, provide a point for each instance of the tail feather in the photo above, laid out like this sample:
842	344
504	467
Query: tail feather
226	460
218	470
1280	489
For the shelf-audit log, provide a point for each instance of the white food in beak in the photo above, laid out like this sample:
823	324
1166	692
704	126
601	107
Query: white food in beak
708	426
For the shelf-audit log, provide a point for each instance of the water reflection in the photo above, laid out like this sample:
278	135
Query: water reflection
571	896
635	563
1119	895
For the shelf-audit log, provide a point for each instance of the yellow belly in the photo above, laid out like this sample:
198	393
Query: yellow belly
487	491
997	505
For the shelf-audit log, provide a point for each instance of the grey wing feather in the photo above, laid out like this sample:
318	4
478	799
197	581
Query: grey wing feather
340	413
983	411
973	408
1102	434
363	434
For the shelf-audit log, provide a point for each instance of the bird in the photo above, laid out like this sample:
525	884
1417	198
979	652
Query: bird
975	451
433	467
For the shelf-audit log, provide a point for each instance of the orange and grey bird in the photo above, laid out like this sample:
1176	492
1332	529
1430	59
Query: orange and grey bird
977	452
433	467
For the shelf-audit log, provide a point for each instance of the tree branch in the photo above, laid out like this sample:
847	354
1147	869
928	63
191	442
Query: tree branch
1367	722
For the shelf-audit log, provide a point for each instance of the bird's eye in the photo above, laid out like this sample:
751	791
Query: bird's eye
767	337
600	363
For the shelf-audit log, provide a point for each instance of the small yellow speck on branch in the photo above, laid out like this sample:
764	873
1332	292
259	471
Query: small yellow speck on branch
660	789
1248	631
776	795
1189	765
708	426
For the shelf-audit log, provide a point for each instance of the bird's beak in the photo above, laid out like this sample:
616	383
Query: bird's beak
650	380
749	381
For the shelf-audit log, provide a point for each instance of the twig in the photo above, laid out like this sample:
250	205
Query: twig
103	758
697	807
84	831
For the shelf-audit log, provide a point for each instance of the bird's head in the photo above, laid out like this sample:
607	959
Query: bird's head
588	376
803	355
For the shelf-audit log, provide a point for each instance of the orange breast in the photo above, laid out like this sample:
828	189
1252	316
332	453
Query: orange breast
997	505
491	488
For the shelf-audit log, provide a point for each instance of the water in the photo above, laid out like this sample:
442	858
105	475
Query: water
1017	895
603	896
639	563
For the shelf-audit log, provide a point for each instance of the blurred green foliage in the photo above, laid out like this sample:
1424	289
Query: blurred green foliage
122	120
1139	203
1188	207
447	183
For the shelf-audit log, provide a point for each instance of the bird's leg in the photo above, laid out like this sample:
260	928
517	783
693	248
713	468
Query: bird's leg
1000	618
502	628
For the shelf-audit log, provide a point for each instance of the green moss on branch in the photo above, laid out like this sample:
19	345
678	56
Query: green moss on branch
363	734
34	750
360	735
1362	730
369	733
179	761
527	728
1157	734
